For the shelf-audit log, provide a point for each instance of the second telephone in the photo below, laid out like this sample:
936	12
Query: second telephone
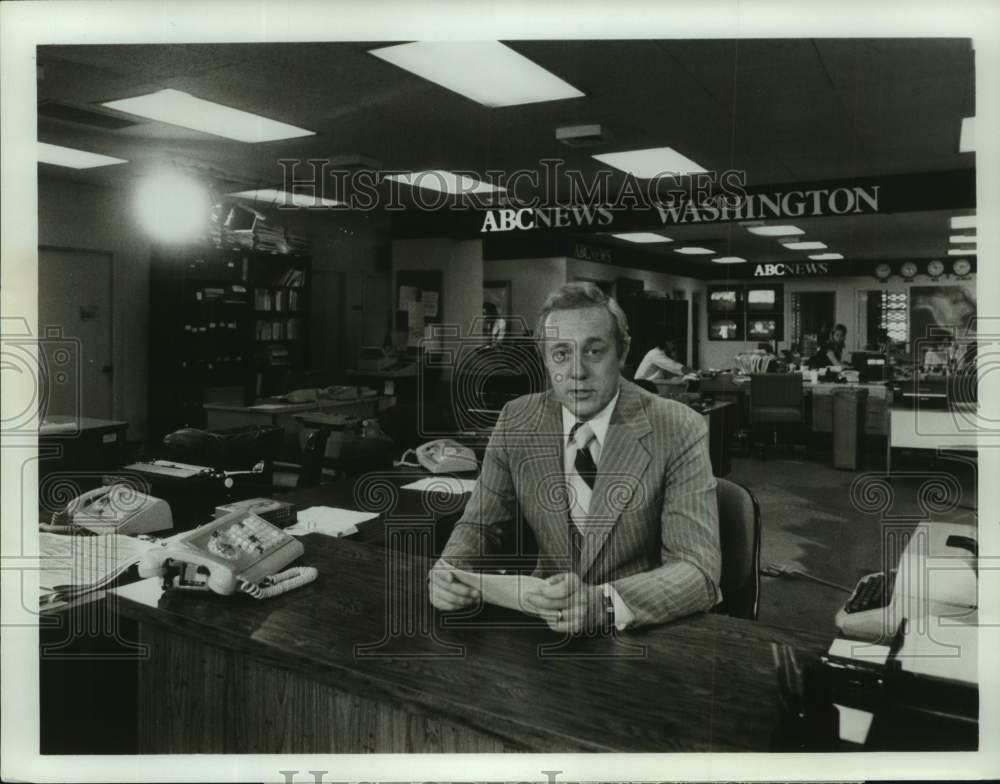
238	551
445	456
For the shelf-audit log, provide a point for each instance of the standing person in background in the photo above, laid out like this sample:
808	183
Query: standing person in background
494	325
660	363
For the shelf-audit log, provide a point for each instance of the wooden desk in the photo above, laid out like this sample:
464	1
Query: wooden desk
358	662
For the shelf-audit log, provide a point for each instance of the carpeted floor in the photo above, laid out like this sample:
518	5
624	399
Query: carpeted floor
831	523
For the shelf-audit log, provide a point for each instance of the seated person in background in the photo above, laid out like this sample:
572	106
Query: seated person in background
882	344
616	485
768	362
835	346
792	355
660	363
831	351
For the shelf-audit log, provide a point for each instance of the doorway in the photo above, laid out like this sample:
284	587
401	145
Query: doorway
813	312
75	331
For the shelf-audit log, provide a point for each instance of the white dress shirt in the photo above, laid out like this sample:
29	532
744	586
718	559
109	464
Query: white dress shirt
599	425
657	365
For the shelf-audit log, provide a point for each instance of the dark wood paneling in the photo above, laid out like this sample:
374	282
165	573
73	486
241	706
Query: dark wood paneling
365	629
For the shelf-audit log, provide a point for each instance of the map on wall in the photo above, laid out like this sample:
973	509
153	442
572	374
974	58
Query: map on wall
938	310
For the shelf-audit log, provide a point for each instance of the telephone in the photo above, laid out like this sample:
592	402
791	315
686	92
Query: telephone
238	551
443	456
116	509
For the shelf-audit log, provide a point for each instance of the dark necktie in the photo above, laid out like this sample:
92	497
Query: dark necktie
581	482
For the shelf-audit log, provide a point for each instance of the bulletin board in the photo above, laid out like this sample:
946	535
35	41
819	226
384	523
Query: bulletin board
419	301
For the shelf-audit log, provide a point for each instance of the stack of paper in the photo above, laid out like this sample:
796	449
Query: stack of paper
72	566
328	520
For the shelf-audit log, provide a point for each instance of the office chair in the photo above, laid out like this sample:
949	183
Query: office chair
648	385
775	399
739	541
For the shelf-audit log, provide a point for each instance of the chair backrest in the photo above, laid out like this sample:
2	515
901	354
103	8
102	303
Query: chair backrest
739	541
648	385
776	389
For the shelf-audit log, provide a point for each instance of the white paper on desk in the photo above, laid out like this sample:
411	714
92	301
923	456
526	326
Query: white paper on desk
505	590
268	406
81	560
329	521
442	484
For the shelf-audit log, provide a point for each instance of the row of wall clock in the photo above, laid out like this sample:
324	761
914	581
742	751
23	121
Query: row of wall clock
935	268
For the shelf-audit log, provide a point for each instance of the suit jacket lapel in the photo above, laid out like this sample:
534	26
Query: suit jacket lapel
624	459
550	510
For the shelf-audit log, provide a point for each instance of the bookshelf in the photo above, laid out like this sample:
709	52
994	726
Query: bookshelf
226	324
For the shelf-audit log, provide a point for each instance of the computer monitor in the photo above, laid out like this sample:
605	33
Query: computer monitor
762	328
725	329
723	299
763	300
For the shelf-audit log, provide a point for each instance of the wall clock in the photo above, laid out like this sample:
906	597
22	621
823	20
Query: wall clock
962	267
883	271
935	268
908	270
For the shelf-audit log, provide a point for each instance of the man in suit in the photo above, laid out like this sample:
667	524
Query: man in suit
615	483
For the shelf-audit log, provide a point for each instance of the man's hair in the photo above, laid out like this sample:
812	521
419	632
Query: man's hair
576	296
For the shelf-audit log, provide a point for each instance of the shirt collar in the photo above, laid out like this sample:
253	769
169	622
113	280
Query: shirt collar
599	423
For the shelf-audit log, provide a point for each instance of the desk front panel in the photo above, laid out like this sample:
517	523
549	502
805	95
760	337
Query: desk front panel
358	661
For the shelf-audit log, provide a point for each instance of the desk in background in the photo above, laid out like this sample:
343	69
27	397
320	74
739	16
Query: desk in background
222	416
406	377
80	445
956	428
819	403
357	662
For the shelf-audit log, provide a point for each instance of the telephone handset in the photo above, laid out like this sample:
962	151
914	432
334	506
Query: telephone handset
238	551
443	456
116	509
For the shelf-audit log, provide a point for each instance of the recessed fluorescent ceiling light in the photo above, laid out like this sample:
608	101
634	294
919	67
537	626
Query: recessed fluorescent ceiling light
274	196
956	238
775	231
179	108
654	162
641	236
963	222
694	251
444	182
967	141
804	245
826	256
73	159
729	260
485	71
961	251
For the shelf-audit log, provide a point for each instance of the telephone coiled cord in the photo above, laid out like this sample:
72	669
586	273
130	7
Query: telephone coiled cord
280	583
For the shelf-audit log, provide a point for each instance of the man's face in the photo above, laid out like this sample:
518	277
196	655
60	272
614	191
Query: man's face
582	359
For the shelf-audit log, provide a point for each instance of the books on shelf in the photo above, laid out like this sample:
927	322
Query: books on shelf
279	329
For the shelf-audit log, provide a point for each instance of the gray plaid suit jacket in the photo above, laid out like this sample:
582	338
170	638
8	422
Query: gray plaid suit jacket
653	531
